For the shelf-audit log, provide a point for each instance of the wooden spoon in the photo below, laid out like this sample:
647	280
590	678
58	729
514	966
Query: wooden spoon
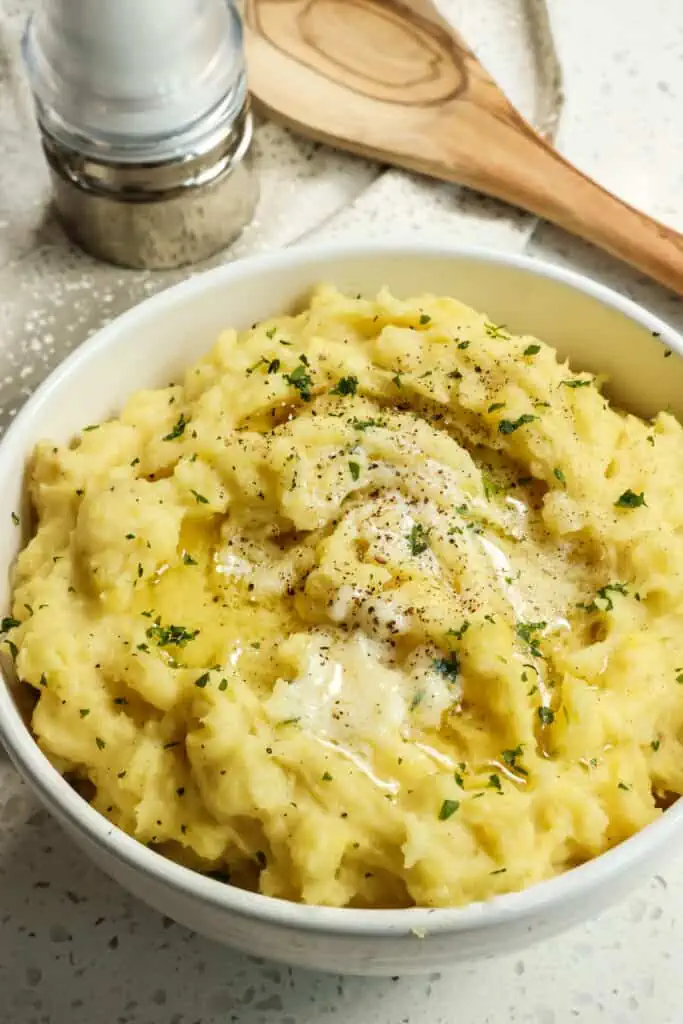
390	79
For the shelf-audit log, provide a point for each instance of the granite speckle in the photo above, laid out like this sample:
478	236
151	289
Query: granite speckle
75	947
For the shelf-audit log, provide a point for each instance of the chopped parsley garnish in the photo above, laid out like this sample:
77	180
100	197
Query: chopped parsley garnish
424	318
100	743
447	667
509	426
629	499
616	588
494	783
418	539
270	333
459	779
679	678
178	430
532	350
559	475
300	379
495	406
622	785
15	519
120	700
171	636
417	699
345	386
8	623
326	777
576	383
364	424
526	631
511	758
202	681
354	469
397	380
546	715
130	536
43	679
655	744
93	426
459	633
223	685
188	559
273	366
448	809
199	498
84	712
463	345
495	331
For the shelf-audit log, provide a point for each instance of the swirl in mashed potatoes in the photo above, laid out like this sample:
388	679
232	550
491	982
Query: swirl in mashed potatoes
380	606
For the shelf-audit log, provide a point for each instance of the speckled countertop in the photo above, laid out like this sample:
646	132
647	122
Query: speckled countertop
76	949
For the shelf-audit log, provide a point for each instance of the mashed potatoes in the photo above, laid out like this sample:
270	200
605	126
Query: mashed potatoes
379	606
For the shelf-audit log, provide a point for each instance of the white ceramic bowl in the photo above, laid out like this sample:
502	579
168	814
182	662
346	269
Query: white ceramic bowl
598	329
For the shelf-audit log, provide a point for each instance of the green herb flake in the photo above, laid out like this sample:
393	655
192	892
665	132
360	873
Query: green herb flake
510	757
574	382
396	379
300	379
532	350
624	786
203	680
188	559
655	744
223	685
84	712
559	475
199	498
130	536
498	871
629	499
495	406
460	632
448	809
171	636
354	469
463	345
495	783
273	366
679	679
270	333
546	715
15	519
178	429
93	426
43	679
100	743
8	623
326	777
365	424
509	426
417	699
495	331
120	701
448	667
418	539
345	386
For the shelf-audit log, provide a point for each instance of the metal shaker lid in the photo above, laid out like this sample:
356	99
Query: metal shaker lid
136	80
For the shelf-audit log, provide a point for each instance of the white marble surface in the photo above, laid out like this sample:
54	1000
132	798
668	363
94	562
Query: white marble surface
74	948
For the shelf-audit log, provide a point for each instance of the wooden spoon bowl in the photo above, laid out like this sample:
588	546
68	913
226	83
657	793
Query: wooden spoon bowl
392	80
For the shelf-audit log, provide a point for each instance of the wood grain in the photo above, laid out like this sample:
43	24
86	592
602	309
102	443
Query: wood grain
391	80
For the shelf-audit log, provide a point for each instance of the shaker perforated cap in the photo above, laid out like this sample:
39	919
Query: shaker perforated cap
136	80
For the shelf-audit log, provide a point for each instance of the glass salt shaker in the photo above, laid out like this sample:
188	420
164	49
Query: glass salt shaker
145	123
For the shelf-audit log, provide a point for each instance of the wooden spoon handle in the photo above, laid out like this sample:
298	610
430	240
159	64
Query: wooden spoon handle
531	174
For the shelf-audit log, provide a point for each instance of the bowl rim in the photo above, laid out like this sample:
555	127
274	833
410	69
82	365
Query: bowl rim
569	888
